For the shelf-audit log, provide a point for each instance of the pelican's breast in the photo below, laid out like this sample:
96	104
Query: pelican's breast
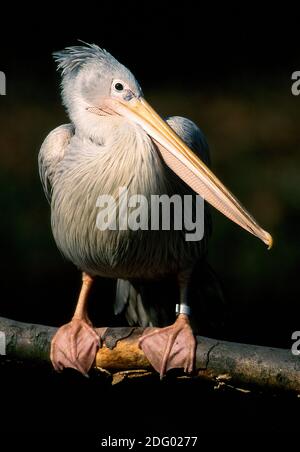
92	171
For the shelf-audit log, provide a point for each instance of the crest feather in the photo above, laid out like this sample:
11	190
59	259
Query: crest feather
72	58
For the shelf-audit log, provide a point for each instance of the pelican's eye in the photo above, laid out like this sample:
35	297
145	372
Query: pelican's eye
119	86
121	90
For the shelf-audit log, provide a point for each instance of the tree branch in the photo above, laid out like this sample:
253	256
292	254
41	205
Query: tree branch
225	364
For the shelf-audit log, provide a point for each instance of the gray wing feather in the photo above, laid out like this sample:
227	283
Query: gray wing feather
127	295
51	153
190	133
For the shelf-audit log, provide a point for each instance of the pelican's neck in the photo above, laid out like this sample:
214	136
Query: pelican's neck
105	130
122	151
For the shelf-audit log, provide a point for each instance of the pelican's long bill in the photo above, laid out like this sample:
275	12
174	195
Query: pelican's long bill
182	160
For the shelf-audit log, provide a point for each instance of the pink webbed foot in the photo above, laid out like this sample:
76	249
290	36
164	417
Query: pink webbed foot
75	345
171	347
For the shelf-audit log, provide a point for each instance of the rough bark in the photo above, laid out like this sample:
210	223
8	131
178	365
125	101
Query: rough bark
225	364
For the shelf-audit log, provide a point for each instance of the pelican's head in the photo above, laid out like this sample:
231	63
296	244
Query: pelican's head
91	78
96	87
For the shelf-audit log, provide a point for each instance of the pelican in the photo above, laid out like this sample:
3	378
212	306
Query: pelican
116	139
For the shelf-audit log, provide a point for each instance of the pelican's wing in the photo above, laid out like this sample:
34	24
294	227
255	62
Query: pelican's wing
195	139
51	153
191	135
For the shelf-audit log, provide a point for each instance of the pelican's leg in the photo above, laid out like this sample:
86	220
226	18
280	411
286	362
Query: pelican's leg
75	344
175	345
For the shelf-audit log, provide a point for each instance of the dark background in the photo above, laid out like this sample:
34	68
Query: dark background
231	74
